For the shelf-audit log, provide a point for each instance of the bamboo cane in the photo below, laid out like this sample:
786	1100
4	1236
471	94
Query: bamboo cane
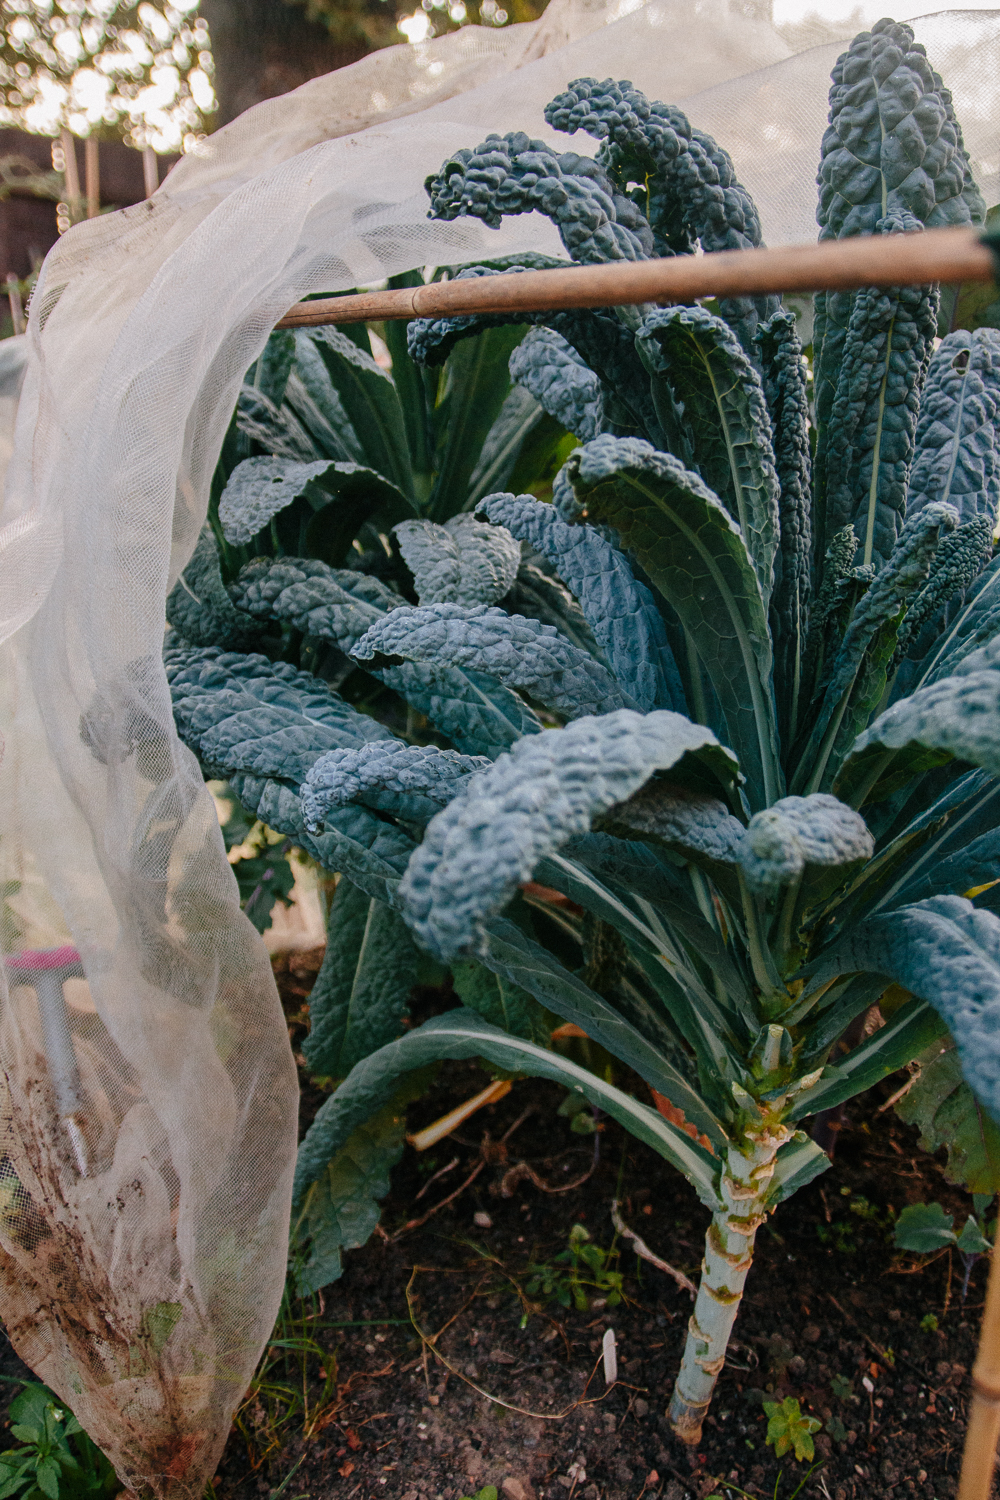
16	305
71	171
983	1430
92	169
150	171
942	255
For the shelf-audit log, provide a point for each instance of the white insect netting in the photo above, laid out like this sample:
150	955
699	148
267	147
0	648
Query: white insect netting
149	1094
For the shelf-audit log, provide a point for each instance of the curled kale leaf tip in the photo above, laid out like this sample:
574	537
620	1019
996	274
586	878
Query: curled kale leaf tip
560	381
513	174
798	831
656	187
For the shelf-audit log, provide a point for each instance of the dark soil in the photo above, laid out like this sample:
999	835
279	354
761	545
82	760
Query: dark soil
510	1393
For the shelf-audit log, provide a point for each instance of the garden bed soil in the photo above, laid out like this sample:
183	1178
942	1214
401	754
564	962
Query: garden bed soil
509	1392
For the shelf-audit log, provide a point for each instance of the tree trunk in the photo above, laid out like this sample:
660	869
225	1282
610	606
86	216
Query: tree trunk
263	48
746	1178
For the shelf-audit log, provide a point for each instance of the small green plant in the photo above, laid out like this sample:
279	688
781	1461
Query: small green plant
581	1268
836	1429
925	1227
929	1323
788	1429
488	1492
57	1460
841	1387
576	1108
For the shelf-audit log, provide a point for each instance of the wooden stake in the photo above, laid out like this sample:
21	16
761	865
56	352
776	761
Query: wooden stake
16	305
983	1429
92	164
71	171
943	255
150	170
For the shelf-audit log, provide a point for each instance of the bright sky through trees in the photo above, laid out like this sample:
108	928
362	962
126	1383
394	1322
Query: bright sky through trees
85	64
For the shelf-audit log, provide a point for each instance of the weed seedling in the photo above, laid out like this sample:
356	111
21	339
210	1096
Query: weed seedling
57	1460
788	1429
581	1268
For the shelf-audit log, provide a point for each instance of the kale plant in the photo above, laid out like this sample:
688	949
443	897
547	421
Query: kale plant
738	701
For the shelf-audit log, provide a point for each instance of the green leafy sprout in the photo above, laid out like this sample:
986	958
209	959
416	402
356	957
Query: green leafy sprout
789	1431
56	1459
576	1273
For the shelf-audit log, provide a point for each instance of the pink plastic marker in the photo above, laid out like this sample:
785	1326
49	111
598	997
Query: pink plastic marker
46	970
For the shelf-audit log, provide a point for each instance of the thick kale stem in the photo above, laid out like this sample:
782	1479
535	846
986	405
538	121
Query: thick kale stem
744	1185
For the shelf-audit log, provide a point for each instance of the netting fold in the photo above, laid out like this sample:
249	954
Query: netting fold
148	1100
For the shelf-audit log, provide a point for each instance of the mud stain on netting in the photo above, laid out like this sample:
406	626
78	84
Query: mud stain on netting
131	1373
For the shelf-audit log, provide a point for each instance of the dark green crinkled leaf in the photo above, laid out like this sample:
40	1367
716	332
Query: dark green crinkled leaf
500	1001
957	447
407	781
857	676
947	1113
973	625
957	716
334	603
683	181
726	418
530	803
869	438
602	341
799	833
621	612
513	174
784	377
372	853
478	713
246	713
276	429
261	488
693	552
543	597
893	147
370	402
516	651
199	608
359	999
948	953
559	380
461	562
